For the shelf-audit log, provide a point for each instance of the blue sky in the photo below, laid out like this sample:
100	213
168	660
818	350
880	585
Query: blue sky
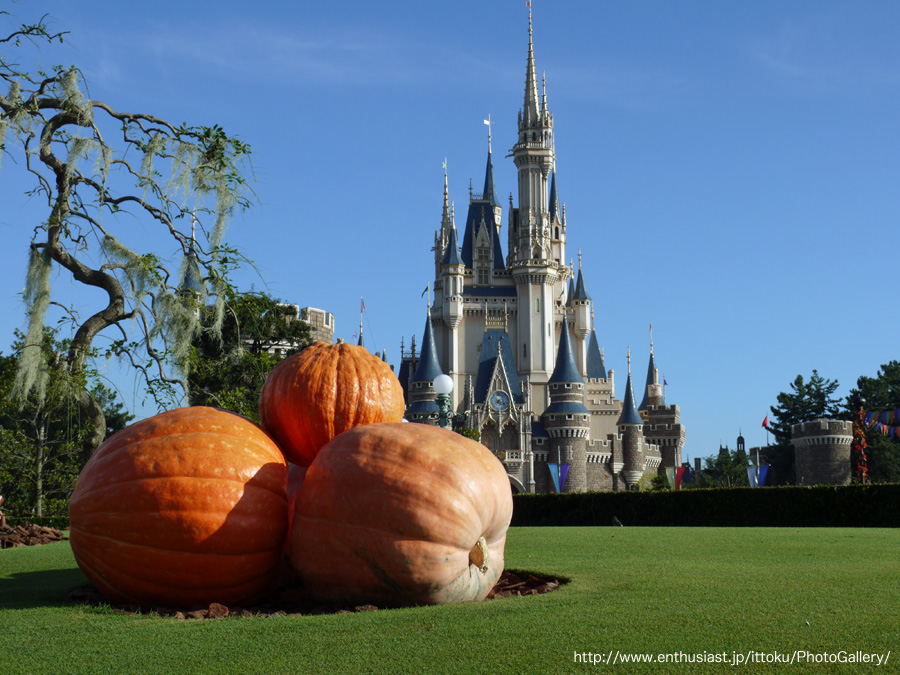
731	171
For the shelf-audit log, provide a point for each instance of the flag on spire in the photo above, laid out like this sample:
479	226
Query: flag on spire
362	305
766	421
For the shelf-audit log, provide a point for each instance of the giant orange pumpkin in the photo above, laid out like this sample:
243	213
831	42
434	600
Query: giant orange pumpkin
311	397
401	514
187	507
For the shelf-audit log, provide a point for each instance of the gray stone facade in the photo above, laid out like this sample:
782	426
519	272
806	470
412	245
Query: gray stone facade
822	452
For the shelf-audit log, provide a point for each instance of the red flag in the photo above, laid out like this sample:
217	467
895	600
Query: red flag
766	421
362	305
679	474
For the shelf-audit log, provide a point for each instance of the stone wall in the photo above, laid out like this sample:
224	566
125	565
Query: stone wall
822	452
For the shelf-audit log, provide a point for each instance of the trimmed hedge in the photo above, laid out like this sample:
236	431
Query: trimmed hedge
817	506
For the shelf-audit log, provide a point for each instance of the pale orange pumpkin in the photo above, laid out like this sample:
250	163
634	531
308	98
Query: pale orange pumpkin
184	508
401	514
311	397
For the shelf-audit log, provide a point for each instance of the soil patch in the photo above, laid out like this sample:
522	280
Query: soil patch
296	602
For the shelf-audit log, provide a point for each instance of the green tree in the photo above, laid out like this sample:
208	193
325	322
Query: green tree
726	469
228	371
807	400
98	169
881	393
41	450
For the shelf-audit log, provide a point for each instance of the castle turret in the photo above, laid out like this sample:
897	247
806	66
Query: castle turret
566	419
581	309
453	275
422	398
653	391
631	428
536	266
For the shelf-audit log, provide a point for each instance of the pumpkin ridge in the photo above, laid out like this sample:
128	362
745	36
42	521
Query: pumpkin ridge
244	587
100	488
469	504
87	533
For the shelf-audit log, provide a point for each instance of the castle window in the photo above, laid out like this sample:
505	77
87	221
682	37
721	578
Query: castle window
569	417
484	277
537	305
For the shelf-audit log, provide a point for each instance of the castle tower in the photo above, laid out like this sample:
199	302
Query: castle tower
630	426
453	271
422	398
822	451
663	422
566	419
581	308
534	263
653	391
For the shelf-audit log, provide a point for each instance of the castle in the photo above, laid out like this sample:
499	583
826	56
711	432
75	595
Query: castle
515	334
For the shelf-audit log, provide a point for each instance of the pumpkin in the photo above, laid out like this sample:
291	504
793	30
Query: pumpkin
296	476
401	514
320	392
185	508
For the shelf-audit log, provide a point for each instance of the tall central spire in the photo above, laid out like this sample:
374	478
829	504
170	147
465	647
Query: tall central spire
531	88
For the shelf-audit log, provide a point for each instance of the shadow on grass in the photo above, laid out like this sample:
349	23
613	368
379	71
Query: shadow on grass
44	588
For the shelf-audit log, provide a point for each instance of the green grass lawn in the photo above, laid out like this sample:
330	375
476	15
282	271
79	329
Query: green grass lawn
640	590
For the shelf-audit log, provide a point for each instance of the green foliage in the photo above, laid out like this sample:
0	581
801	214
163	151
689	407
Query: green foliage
806	401
41	438
228	368
881	393
469	432
727	469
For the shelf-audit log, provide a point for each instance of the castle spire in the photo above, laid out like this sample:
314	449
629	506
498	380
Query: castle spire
445	213
554	200
490	191
531	89
652	375
629	412
565	370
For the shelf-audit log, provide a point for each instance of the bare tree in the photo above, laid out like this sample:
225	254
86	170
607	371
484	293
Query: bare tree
95	166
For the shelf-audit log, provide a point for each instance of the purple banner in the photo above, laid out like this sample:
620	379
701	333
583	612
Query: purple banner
563	474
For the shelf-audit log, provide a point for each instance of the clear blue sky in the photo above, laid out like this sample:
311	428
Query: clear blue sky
731	170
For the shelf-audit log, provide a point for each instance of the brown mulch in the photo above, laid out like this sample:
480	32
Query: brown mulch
296	602
28	534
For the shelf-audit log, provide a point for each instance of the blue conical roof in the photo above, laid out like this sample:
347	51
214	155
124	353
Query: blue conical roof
428	367
554	199
580	291
565	370
596	369
570	293
451	255
629	412
490	192
650	370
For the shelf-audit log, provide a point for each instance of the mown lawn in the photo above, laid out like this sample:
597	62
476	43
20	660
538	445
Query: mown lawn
641	590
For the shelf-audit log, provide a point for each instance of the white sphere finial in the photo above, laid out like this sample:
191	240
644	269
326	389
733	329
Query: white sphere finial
443	384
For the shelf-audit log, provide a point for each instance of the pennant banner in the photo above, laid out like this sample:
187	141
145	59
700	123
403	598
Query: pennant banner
670	474
679	477
751	476
563	474
763	472
554	474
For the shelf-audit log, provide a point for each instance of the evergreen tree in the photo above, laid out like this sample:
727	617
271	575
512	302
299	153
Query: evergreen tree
807	400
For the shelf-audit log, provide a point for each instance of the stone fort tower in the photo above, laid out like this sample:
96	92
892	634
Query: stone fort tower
515	330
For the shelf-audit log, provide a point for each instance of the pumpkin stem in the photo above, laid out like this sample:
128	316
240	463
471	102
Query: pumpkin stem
479	555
